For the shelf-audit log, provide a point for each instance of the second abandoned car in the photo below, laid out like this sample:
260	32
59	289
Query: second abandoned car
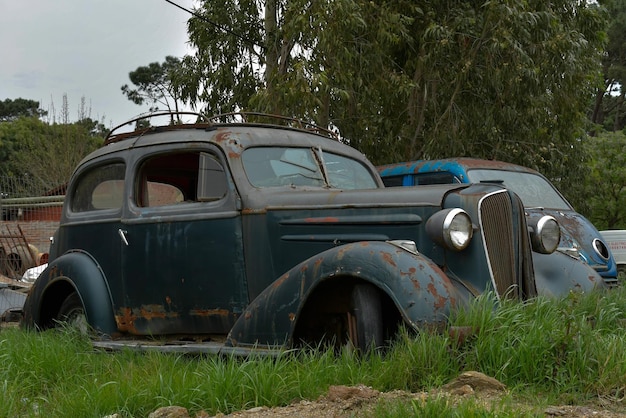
223	237
579	238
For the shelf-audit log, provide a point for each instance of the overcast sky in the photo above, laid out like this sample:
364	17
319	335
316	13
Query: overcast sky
85	48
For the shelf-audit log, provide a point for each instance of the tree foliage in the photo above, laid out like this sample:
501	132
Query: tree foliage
405	80
609	110
156	84
607	181
16	108
46	153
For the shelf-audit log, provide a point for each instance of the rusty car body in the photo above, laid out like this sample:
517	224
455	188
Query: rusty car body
579	237
231	236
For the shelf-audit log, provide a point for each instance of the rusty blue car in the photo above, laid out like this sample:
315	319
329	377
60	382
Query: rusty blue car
236	233
579	237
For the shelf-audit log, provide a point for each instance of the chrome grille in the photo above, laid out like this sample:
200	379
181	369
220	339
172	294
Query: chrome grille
496	217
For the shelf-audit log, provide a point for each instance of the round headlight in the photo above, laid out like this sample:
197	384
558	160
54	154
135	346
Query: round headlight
450	228
601	249
546	235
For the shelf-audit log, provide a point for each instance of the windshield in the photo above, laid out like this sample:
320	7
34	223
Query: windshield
534	190
283	166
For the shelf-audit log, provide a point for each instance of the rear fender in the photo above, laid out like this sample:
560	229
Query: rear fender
418	288
73	271
557	274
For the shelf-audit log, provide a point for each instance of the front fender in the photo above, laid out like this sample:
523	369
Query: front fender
73	271
557	274
419	288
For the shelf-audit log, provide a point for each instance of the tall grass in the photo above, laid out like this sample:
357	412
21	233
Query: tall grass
570	349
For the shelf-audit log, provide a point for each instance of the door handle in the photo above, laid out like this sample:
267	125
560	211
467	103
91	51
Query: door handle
122	234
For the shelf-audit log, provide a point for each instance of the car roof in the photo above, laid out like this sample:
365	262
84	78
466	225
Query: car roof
451	164
232	137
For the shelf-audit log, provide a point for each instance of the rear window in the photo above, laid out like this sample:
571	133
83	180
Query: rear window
99	188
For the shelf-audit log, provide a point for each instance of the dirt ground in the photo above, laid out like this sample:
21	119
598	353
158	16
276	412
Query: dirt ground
361	401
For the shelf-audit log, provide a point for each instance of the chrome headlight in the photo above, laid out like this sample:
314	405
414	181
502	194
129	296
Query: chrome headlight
450	228
601	249
546	235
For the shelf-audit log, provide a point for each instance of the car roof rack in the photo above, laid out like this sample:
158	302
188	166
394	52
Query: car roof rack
203	121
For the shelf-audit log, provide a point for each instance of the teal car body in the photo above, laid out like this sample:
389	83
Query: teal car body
230	237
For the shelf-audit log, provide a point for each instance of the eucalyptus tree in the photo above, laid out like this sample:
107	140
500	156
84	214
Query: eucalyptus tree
609	110
407	79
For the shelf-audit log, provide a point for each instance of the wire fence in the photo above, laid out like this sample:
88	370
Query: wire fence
29	217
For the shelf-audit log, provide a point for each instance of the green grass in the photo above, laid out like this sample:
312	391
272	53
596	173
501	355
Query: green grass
571	350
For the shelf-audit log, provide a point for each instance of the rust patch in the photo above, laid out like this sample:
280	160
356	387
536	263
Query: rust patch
388	258
292	316
150	312
439	301
318	262
328	219
249	211
125	319
280	280
209	312
222	136
341	252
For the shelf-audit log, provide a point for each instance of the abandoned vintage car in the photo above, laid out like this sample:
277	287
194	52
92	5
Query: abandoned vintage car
233	235
579	237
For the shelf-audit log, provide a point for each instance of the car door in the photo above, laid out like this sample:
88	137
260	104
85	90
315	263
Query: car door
182	253
93	217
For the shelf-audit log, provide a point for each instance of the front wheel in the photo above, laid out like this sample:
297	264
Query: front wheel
72	314
366	319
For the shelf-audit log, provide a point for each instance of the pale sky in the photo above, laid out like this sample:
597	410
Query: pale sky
85	48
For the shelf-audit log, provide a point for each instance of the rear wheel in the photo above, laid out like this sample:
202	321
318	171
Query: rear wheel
72	314
365	326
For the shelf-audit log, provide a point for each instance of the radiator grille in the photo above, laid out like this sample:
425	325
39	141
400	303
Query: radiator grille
496	217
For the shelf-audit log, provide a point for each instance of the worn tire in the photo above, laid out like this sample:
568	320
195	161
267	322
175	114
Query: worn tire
368	316
72	314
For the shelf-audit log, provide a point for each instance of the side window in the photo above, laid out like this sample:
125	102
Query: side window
346	173
184	177
395	181
437	177
99	188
